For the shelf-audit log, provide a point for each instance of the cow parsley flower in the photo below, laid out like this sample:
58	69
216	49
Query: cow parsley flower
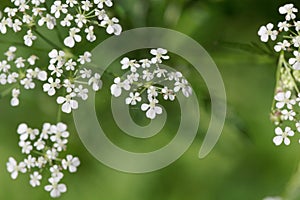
266	32
282	136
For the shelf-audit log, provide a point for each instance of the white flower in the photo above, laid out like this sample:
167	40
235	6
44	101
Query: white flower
116	88
133	77
296	41
297	25
152	91
72	38
160	72
129	63
51	86
168	94
29	38
101	3
31	60
30	161
152	109
85	58
70	65
16	26
4	66
147	75
39	144
56	172
283	98
26	147
59	131
25	132
67	20
90	34
266	31
11	53
3	79
56	69
70	163
55	188
51	154
35	179
49	20
20	62
68	85
295	62
86	5
56	56
289	11
12	78
85	73
15	100
184	87
282	46
282	136
112	25
71	3
283	26
146	63
95	82
68	104
288	114
133	98
58	7
80	20
159	54
14	168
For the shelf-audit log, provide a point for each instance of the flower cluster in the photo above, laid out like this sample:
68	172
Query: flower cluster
43	151
77	16
147	76
63	77
285	110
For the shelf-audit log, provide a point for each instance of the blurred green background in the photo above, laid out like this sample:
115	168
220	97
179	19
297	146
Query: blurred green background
244	164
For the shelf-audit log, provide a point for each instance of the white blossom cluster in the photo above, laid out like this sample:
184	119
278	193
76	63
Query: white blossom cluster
285	110
73	21
79	17
43	151
147	76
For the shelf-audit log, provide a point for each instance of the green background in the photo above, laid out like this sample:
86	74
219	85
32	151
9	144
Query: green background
244	164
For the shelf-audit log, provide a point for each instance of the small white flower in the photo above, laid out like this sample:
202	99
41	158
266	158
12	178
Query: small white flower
15	97
159	54
32	59
283	98
59	131
126	63
95	82
80	20
147	75
51	86
55	188
283	26
26	147
288	114
11	53
56	172
168	94
39	144
72	38
289	11
58	7
16	26
70	65
14	168
68	103
30	162
184	87
112	25
4	66
282	46
35	179
296	41
145	63
68	85
85	58
56	56
266	31
133	98
295	62
71	3
86	5
25	132
101	3
56	69
20	62
49	20
90	34
51	154
151	108
116	88
85	73
67	21
70	163
282	136
29	38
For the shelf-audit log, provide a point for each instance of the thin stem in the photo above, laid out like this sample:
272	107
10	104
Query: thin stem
46	39
278	71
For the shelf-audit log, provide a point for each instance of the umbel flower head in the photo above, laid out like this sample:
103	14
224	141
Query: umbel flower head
146	76
285	109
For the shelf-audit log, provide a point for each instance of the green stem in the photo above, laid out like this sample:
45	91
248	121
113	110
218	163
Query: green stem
7	91
292	191
278	71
